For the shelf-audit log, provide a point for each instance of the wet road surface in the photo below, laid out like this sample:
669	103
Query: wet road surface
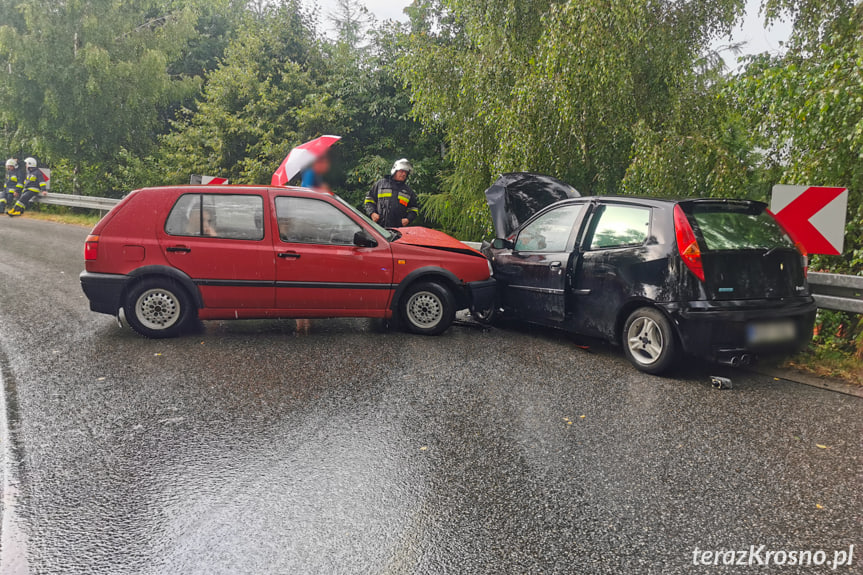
241	448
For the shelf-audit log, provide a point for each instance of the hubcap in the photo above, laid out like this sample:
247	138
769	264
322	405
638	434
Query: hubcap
425	310
645	341
157	309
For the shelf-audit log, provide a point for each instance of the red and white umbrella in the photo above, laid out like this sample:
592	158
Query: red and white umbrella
301	158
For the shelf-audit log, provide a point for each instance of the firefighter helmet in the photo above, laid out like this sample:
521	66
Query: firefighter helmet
402	165
31	163
12	163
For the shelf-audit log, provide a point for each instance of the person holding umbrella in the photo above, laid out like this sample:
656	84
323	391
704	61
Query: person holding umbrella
313	176
391	202
311	159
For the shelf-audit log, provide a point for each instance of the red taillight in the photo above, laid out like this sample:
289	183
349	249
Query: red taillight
687	243
91	248
804	253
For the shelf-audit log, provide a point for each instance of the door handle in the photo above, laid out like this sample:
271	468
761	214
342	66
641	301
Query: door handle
555	265
178	250
289	255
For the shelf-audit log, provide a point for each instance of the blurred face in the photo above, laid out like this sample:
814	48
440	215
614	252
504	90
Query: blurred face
10	168
321	165
400	176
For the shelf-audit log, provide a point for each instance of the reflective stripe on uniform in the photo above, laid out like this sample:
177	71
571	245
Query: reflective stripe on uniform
369	201
387	194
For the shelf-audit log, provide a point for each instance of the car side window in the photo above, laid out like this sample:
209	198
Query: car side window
620	226
309	221
550	232
227	217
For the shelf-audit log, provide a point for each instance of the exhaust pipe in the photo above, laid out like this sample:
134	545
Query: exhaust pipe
733	361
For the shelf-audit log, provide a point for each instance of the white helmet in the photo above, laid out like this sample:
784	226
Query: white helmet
402	164
31	162
12	163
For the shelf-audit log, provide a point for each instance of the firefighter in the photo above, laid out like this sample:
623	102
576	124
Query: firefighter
391	202
34	185
13	185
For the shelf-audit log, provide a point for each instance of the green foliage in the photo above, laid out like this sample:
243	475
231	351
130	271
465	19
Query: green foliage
89	77
559	87
805	109
280	85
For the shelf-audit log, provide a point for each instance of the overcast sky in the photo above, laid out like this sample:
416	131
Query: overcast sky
757	39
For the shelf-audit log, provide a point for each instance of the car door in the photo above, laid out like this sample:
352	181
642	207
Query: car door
534	272
604	278
219	240
319	269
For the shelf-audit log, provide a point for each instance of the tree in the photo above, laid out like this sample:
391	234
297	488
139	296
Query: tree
556	86
351	19
87	78
257	104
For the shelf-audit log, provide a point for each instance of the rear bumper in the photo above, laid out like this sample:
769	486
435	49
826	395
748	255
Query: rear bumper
719	331
482	295
104	291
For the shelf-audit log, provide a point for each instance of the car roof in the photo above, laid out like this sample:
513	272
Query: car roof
233	189
658	202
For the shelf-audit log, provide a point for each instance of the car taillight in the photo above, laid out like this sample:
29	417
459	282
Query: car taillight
687	243
91	248
804	253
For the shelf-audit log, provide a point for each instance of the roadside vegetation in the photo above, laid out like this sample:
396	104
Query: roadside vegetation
627	96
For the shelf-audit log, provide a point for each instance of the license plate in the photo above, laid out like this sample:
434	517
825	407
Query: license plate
773	332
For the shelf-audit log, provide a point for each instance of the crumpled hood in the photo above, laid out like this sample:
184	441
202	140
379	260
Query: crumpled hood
514	198
434	239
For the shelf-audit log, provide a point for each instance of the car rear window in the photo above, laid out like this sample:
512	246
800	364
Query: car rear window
727	228
232	217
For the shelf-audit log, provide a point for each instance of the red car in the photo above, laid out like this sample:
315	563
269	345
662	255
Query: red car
169	255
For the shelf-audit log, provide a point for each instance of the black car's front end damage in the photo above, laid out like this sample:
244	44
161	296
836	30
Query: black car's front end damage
515	198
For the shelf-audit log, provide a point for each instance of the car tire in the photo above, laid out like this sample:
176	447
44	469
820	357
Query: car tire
427	308
158	308
649	341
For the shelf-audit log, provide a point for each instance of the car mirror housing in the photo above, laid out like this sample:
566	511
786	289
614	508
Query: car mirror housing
502	244
362	239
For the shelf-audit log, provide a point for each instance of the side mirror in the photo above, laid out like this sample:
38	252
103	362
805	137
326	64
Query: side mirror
502	244
362	239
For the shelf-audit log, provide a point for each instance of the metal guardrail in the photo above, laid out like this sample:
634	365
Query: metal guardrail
837	292
73	201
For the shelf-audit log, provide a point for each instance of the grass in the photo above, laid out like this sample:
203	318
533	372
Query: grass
829	363
83	220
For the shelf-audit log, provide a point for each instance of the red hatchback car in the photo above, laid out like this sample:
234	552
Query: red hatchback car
169	255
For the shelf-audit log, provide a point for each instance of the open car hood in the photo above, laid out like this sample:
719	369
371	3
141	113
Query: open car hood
436	240
514	198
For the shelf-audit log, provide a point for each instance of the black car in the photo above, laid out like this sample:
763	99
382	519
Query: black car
716	279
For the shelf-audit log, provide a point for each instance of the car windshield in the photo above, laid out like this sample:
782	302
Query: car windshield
387	234
734	228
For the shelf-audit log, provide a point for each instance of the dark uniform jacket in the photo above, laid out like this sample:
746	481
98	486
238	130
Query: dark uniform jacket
35	181
394	201
14	182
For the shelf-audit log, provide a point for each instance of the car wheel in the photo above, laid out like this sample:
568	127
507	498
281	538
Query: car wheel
649	341
158	308
428	308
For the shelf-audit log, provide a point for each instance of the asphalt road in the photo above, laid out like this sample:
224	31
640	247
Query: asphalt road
242	448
